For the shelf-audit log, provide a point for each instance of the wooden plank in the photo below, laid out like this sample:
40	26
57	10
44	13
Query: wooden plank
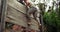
16	17
15	4
34	25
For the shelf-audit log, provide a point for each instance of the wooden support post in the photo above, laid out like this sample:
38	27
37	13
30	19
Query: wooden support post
3	10
42	24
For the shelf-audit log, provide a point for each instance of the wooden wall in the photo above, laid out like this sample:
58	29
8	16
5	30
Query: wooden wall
16	13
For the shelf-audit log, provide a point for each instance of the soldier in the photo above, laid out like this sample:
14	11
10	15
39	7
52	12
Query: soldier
31	11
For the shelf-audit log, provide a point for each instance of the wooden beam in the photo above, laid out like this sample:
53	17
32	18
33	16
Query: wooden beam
16	17
3	14
15	4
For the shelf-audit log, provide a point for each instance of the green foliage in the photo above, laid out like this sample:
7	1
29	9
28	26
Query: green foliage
52	21
50	18
41	7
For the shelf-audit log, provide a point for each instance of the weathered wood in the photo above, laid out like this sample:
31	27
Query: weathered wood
15	4
16	17
3	7
34	25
